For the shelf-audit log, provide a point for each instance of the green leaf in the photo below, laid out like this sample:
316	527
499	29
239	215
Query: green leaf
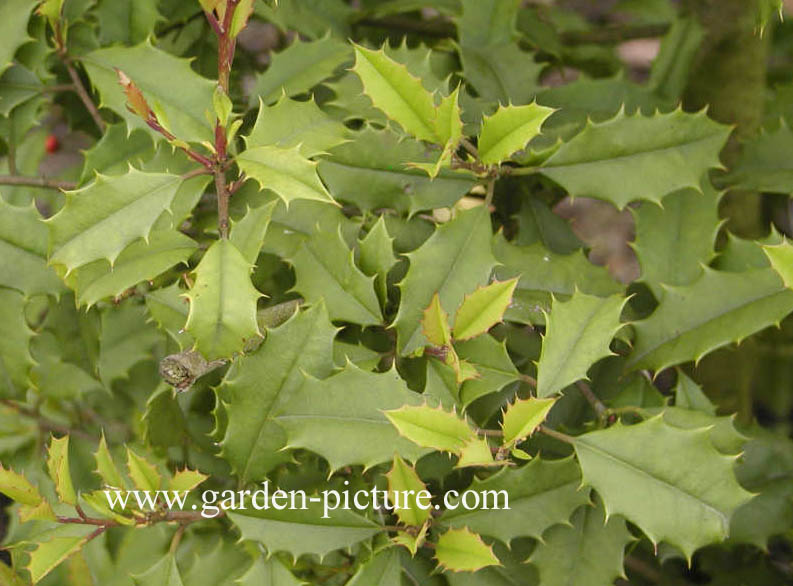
239	19
589	551
781	258
432	427
162	78
105	467
125	340
98	221
186	480
483	309
689	395
509	130
58	467
435	323
476	453
313	18
268	571
169	308
762	165
17	85
163	573
304	530
394	90
19	489
402	478
501	73
248	234
138	262
325	269
376	256
485	22
452	262
285	171
257	385
448	124
671	69
674	241
55	547
222	316
682	491
23	252
13	29
143	473
541	493
300	67
341	418
493	367
289	123
460	550
379	159
116	151
638	157
578	334
126	22
384	569
715	310
522	417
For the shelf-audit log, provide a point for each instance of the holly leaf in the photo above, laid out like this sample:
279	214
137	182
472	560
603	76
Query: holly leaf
432	427
285	171
634	157
98	221
143	473
452	262
492	367
715	310
483	309
54	547
781	258
306	530
248	233
400	95
541	493
524	416
402	478
126	22
162	79
105	466
23	252
435	323
591	550
270	571
18	488
325	269
460	550
578	334
664	466
289	123
163	573
384	569
125	339
689	395
376	257
300	67
222	316
258	384
14	29
762	165
58	468
509	130
341	418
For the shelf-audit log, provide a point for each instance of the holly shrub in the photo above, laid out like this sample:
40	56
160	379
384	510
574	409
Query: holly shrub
325	246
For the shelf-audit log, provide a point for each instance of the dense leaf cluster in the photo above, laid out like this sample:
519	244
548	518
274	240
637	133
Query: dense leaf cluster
341	268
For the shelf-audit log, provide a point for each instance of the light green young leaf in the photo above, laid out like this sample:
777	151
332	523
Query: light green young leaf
303	531
248	234
105	466
476	453
781	258
58	467
13	29
97	500
239	19
460	550
638	157
402	478
394	90
162	78
23	252
18	488
186	480
222	316
524	416
289	123
163	573
590	551
435	324
715	310
55	547
376	256
452	262
541	493
258	384
578	334
285	171
483	309
432	427
341	418
143	473
325	269
300	67
509	130
384	569
682	491
98	221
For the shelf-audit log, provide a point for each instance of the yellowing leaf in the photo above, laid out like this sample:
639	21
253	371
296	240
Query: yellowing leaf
186	480
18	488
432	427
58	467
460	550
524	416
483	309
143	473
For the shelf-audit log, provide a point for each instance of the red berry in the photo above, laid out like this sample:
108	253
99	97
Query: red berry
51	143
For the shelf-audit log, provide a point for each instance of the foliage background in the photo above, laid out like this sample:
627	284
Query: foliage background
145	239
